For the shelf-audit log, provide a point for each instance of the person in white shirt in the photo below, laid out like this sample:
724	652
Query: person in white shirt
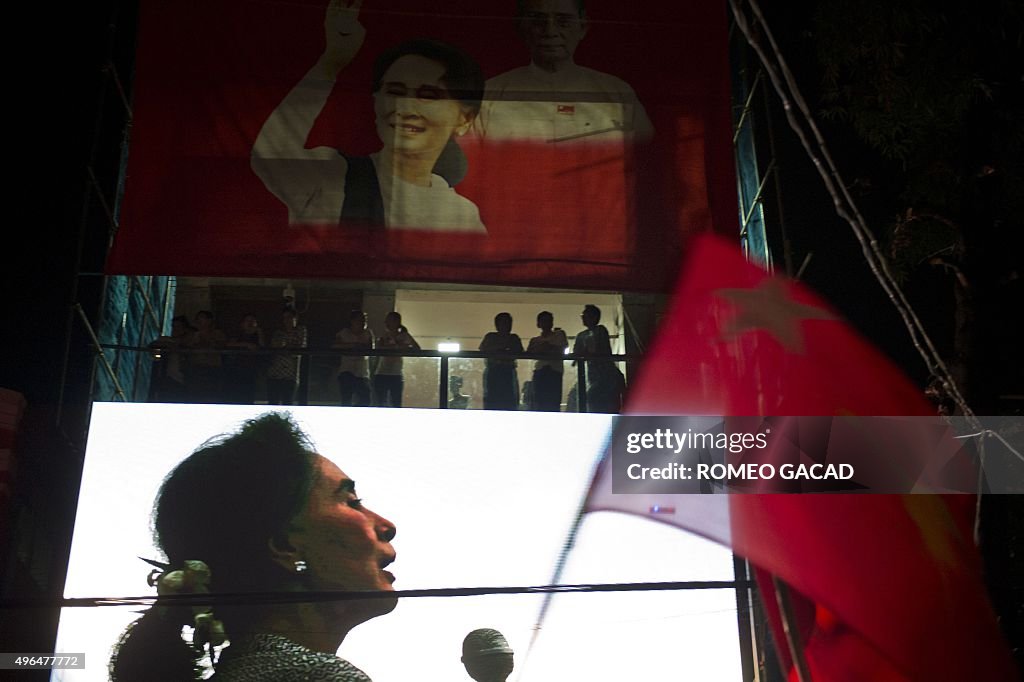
354	370
426	94
553	99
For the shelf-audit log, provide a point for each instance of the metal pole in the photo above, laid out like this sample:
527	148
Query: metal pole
442	392
787	247
122	328
99	351
792	632
745	621
581	386
755	203
83	219
146	304
167	304
747	108
305	365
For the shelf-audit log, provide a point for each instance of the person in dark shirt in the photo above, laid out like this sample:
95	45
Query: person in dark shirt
547	374
501	385
242	369
605	383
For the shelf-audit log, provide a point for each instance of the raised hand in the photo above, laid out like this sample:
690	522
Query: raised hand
344	34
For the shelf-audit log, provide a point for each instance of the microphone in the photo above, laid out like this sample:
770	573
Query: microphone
487	656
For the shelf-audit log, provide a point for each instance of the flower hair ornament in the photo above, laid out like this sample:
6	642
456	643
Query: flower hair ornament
192	578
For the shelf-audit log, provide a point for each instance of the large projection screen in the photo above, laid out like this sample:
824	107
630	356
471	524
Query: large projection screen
479	499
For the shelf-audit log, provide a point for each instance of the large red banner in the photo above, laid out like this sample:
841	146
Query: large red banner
539	142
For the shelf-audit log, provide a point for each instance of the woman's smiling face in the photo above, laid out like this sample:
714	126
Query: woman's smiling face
414	110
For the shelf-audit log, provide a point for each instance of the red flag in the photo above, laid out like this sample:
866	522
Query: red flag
892	583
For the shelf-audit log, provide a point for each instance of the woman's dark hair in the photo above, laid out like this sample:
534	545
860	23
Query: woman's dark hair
222	506
521	7
462	75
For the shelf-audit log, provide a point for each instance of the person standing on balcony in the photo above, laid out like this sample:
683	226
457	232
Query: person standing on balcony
354	370
388	382
501	385
547	374
283	373
605	383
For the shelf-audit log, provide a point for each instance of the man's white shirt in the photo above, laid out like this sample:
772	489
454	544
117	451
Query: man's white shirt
572	105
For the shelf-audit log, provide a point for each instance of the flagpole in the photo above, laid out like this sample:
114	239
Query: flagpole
556	579
563	556
789	627
745	620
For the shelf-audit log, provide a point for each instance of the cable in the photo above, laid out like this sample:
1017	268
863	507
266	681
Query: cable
253	598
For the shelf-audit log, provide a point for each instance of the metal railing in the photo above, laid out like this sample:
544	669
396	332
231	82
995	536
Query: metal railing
580	362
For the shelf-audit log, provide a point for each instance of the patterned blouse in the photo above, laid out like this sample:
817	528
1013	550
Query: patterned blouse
272	658
284	366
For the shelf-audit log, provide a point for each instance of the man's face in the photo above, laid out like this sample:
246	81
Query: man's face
551	30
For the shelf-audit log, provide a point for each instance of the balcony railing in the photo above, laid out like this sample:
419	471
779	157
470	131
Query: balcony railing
317	365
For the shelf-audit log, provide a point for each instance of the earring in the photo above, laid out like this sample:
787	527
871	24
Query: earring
301	566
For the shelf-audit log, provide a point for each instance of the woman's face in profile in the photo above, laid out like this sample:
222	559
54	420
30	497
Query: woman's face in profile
415	114
345	545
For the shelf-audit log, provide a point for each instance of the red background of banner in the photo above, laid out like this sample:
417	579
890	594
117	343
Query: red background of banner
208	75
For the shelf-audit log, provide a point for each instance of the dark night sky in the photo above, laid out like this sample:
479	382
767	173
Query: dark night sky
838	269
58	75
